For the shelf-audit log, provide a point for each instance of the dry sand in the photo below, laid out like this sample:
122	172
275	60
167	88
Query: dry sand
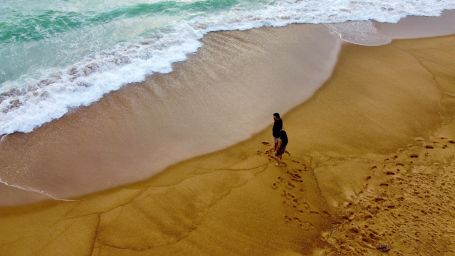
371	165
223	94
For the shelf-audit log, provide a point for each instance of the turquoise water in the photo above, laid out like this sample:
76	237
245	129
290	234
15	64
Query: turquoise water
54	33
57	55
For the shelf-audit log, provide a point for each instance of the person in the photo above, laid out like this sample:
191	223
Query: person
281	145
277	127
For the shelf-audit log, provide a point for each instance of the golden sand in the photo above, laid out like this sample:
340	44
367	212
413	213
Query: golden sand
220	96
371	167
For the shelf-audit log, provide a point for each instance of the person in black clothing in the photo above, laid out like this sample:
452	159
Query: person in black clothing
277	127
282	143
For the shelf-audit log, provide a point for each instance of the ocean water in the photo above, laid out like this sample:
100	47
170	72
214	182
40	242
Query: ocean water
57	55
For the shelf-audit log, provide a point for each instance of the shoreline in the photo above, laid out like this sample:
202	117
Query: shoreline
122	131
380	102
146	127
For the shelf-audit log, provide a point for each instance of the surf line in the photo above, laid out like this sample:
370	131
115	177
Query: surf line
37	191
2	138
373	33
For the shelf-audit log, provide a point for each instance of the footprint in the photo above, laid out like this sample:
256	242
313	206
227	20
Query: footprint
265	143
384	184
429	147
306	225
413	156
379	199
390	173
290	185
354	230
296	175
281	164
347	204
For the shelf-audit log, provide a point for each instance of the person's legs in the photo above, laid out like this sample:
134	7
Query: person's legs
275	140
279	155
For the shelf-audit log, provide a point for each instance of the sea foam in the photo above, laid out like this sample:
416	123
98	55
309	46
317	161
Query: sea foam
42	95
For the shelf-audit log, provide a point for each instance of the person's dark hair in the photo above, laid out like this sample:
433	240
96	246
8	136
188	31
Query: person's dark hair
276	115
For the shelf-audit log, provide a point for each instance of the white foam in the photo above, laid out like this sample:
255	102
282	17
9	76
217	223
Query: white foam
359	32
37	191
3	138
29	102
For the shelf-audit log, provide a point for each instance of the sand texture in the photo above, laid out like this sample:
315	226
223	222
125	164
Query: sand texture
223	94
371	169
407	206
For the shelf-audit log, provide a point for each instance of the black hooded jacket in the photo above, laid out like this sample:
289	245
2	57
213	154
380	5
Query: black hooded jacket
277	127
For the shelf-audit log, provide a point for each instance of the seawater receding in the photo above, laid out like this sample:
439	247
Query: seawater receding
359	32
61	57
373	33
35	191
135	133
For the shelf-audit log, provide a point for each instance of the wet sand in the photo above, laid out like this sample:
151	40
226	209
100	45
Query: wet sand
371	166
418	27
220	96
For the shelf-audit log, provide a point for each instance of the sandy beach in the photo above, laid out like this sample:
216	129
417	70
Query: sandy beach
371	167
223	94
